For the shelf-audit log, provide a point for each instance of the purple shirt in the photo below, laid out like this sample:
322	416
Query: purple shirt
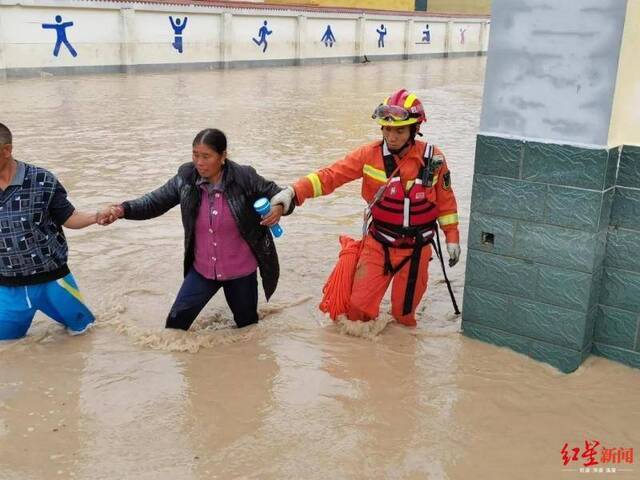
220	251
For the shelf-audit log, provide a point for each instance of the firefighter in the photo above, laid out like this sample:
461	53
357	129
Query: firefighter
407	186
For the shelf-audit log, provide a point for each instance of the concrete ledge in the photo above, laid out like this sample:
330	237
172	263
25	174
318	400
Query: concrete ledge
55	71
463	54
202	66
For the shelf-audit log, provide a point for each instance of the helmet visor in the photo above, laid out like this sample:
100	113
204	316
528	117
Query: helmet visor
390	113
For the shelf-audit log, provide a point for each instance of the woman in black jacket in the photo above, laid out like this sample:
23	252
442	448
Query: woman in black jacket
225	240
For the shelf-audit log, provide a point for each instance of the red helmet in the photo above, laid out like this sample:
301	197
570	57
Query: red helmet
401	108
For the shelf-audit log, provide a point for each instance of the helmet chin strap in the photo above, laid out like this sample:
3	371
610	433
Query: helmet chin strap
396	151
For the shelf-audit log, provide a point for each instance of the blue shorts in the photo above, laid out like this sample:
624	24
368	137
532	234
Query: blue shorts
60	299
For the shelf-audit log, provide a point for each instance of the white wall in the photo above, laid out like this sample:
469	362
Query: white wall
437	38
114	36
344	30
281	43
27	44
393	40
471	37
154	37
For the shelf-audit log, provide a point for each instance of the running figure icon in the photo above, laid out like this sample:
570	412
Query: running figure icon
262	33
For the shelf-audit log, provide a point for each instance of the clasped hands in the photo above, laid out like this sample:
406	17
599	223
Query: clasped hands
109	214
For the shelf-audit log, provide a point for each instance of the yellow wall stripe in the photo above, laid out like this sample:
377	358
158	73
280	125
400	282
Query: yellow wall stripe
317	186
374	173
71	290
445	220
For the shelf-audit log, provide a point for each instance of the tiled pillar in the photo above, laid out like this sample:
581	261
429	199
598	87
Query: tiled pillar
537	236
617	333
544	178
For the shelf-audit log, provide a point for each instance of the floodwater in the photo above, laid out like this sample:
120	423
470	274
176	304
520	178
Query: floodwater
292	397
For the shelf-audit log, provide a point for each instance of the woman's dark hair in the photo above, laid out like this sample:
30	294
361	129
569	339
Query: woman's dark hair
212	138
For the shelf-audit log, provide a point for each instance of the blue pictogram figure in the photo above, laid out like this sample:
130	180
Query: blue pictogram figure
382	32
178	27
262	33
328	38
61	32
426	35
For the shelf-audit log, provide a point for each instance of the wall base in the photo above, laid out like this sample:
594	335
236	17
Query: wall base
564	359
203	66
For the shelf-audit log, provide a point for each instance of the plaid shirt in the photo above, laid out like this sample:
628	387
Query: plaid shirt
33	248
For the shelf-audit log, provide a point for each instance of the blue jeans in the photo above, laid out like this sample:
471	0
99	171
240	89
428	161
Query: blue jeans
196	291
60	299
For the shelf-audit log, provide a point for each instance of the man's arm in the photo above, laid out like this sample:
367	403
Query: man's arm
65	214
79	220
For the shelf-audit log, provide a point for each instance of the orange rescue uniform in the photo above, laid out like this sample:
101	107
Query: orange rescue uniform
370	281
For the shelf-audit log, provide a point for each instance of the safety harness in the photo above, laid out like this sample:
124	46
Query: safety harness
406	219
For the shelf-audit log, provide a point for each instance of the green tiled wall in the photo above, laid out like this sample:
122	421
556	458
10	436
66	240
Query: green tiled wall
527	318
622	355
536	202
554	251
565	359
565	165
529	280
617	329
626	208
501	158
629	173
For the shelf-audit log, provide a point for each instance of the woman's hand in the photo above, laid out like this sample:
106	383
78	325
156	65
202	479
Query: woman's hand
273	217
109	214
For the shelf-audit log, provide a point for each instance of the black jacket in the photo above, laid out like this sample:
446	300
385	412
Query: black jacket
242	186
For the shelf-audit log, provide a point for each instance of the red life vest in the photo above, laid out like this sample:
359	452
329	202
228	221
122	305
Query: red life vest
400	218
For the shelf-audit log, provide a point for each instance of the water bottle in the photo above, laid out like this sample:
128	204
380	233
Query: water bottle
263	207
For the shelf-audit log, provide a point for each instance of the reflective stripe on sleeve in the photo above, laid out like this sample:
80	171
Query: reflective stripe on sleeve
445	220
317	186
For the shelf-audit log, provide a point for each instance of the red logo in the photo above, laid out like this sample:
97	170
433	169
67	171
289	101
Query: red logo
594	453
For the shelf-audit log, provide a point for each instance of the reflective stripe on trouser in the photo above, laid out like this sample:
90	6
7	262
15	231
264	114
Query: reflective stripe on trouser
370	282
60	299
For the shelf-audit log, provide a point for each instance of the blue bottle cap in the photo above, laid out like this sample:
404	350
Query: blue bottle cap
261	203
